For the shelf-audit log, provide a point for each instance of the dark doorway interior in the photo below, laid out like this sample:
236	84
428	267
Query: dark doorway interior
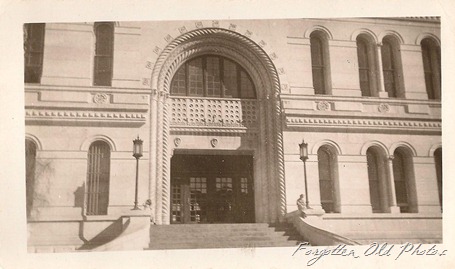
212	189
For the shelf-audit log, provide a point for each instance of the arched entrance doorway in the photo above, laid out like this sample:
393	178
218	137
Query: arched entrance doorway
204	123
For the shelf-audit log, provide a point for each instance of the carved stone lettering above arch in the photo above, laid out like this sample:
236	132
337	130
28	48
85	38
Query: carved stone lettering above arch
259	45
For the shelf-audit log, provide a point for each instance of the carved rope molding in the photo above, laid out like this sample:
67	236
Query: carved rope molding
263	72
166	164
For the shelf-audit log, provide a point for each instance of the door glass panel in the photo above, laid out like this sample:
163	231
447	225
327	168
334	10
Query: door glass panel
177	207
224	199
198	199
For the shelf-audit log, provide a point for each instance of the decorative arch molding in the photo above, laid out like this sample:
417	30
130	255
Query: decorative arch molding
375	143
394	34
87	142
433	37
364	31
230	31
433	149
35	140
403	144
319	28
326	142
260	66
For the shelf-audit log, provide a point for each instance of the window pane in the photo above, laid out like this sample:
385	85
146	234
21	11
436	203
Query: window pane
389	83
326	189
104	39
230	79
429	85
426	57
213	76
33	46
32	74
97	188
30	160
438	163
103	54
103	71
387	56
195	78
246	86
364	67
316	51
318	80
362	54
364	78
317	62
373	178
431	66
399	174
178	85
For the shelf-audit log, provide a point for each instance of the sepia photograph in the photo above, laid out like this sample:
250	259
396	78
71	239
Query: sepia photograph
318	137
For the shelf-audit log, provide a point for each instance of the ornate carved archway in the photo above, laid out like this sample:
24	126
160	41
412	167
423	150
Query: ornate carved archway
270	140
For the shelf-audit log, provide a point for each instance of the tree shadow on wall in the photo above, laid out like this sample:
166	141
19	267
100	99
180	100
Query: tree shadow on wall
79	197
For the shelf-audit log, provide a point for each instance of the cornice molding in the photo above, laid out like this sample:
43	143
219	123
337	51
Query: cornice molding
367	123
77	115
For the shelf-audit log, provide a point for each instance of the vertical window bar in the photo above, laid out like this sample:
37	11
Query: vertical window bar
98	179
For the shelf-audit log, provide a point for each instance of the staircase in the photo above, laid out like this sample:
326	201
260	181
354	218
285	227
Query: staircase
247	235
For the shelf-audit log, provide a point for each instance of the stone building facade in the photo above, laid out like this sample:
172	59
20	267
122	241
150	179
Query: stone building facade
222	107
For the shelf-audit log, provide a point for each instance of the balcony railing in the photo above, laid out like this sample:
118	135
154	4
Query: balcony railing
213	112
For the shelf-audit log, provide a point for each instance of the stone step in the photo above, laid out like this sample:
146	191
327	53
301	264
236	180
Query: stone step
185	236
241	226
218	244
195	232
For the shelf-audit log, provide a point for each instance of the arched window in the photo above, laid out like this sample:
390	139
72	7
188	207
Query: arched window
367	66
212	76
377	180
34	48
327	176
104	49
431	54
391	66
403	174
97	188
30	160
438	163
320	63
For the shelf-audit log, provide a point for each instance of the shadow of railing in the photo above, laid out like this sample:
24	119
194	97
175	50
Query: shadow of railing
107	235
316	236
